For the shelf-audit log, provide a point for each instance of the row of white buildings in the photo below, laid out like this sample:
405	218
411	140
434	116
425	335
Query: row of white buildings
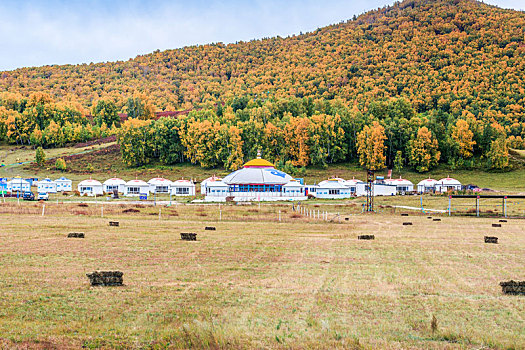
258	180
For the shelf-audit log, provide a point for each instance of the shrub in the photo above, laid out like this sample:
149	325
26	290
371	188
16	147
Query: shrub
60	164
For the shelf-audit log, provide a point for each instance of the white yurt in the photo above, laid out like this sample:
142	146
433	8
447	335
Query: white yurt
18	184
426	185
205	182
448	184
134	188
183	188
90	187
294	188
115	183
64	184
402	185
216	191
159	185
258	180
333	189
46	186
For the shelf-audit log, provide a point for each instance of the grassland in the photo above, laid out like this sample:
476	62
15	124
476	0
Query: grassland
256	282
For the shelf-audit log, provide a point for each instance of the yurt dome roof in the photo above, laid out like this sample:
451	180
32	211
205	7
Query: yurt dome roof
336	179
449	181
114	181
90	182
159	181
352	182
399	182
293	183
183	182
136	182
211	179
217	183
257	175
62	179
333	183
48	180
427	182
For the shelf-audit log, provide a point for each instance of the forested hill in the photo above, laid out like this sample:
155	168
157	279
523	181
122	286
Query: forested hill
449	55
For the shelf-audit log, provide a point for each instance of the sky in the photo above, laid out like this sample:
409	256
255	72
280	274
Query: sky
36	33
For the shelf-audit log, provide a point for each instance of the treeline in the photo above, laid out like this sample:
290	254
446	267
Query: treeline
38	120
300	132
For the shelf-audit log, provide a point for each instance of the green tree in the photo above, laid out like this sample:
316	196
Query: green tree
498	155
106	112
398	161
40	156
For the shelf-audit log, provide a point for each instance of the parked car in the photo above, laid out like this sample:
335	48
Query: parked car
28	196
42	196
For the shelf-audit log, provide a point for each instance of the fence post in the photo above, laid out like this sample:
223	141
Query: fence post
505	206
449	204
43	209
477	206
279	215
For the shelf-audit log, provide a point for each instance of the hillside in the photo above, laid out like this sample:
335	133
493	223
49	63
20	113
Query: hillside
451	55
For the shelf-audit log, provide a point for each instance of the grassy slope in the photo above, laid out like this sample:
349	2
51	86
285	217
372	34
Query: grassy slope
256	282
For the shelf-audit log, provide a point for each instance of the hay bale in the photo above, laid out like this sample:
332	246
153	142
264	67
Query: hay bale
188	236
496	225
366	237
436	220
407	224
210	228
347	219
404	214
114	223
105	278
513	287
429	217
491	239
75	235
502	220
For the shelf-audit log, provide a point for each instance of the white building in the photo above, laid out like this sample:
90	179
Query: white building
258	180
311	190
427	185
448	184
183	188
64	184
114	184
46	186
216	191
90	187
380	189
402	185
136	188
352	185
18	184
333	189
205	182
159	185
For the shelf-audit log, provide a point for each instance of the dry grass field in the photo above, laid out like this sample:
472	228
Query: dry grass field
256	282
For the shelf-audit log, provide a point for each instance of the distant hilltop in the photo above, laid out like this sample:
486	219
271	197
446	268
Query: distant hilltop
451	55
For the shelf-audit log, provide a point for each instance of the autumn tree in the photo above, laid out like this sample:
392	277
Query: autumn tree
371	146
106	112
40	157
462	140
498	155
423	151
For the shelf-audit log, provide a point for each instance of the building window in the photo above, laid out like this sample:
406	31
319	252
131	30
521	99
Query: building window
161	189
182	190
134	190
333	191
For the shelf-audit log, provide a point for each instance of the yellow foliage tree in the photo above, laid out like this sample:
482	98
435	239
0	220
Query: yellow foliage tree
371	146
462	139
423	150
